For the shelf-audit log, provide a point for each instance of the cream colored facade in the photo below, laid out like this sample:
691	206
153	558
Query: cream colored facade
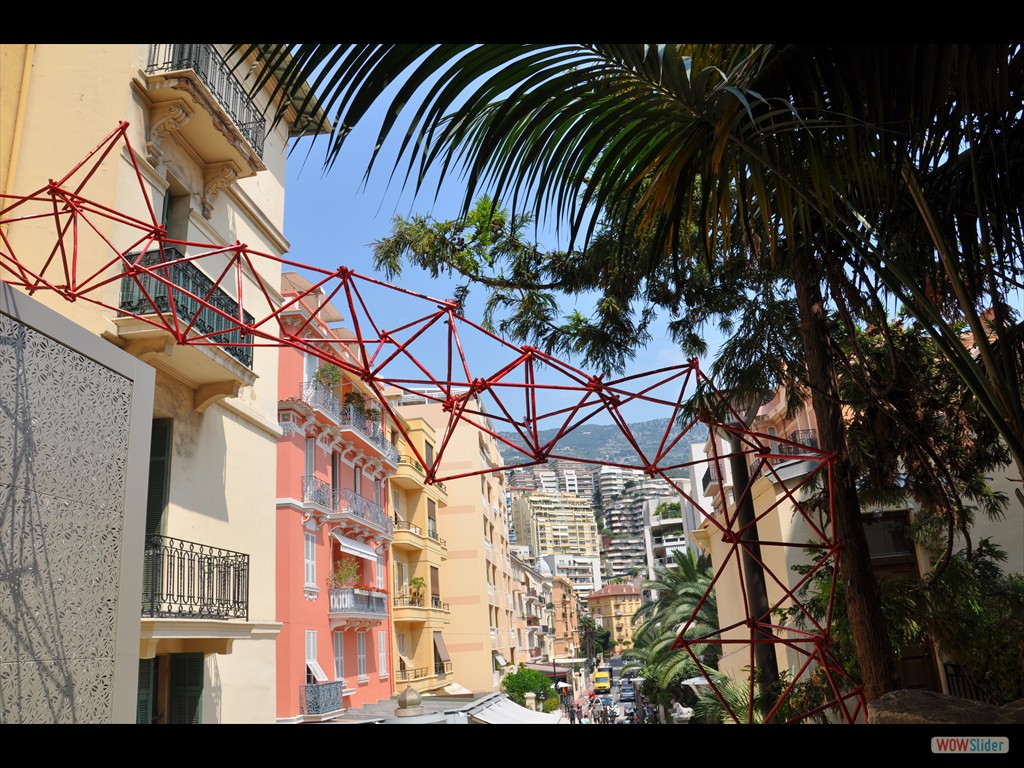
477	576
556	523
892	552
566	615
215	184
613	607
420	614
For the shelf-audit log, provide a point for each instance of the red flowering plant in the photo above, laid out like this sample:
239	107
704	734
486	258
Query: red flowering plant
371	588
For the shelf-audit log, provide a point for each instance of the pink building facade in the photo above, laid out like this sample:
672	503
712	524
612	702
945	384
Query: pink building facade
334	651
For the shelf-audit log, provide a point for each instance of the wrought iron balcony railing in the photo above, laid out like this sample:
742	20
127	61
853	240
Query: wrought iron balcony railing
183	579
414	673
317	491
350	417
432	533
348	502
216	74
352	600
808	437
406	460
402	601
435	602
353	418
215	313
402	525
322	698
319	396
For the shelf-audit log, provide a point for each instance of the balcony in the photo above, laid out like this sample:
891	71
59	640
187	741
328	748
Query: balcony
786	453
218	362
183	579
352	608
437	604
533	621
442	669
409	674
363	429
432	534
322	698
318	493
710	478
197	98
352	510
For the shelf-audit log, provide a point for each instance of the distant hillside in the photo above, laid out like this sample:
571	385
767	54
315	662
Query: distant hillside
605	442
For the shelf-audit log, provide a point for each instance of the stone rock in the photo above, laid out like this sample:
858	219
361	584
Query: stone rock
930	708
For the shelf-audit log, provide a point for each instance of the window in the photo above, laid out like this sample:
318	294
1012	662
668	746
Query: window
428	453
314	674
380	571
357	478
186	689
382	653
339	655
400	577
376	491
310	538
361	654
396	502
310	456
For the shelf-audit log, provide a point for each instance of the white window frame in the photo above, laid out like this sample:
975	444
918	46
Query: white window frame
380	571
357	479
309	543
382	653
339	655
311	663
361	655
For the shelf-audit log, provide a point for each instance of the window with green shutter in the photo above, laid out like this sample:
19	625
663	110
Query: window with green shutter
186	706
147	692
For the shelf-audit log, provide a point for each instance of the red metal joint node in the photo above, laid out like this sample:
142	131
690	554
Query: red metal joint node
730	537
345	272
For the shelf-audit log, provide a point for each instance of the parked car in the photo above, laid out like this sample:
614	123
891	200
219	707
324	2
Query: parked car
626	692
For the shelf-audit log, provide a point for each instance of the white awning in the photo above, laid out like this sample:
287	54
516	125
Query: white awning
355	548
504	711
318	672
500	659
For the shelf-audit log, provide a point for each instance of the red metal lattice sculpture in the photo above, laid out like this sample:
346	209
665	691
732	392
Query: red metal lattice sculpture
99	251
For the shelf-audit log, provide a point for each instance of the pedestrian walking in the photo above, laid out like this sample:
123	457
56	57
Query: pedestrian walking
572	715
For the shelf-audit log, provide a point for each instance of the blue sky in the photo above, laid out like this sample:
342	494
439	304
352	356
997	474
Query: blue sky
331	219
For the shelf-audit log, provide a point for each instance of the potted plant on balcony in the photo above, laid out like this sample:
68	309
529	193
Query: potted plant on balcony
417	586
328	375
345	574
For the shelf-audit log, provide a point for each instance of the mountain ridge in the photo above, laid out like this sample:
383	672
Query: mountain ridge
605	443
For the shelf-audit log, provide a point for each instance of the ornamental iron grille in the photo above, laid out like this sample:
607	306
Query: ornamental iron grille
510	395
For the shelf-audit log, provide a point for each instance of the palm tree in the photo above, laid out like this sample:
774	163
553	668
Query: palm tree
884	163
684	600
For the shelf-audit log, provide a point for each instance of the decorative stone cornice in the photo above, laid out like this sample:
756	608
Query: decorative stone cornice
166	118
217	176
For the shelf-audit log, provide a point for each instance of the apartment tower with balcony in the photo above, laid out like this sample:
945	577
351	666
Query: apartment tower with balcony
421	609
477	577
213	168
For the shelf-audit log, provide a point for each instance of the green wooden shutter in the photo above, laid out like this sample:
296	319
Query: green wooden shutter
186	688
159	475
147	682
156	505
